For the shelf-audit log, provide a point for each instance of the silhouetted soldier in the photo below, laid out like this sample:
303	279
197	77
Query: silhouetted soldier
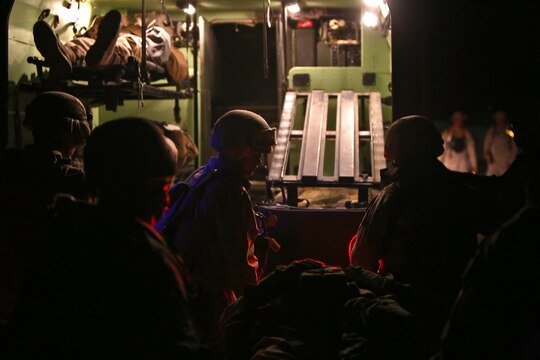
59	123
496	315
421	227
108	286
212	223
32	176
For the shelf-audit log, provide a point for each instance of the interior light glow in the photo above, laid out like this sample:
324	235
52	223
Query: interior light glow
370	19
510	133
190	9
385	10
373	3
293	8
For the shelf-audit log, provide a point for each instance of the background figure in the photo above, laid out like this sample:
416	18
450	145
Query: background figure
499	147
459	151
112	44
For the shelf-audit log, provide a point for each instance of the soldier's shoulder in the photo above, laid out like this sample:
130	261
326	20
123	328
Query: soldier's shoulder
66	207
390	190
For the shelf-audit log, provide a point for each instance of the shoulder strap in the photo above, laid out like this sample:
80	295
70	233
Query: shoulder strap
185	198
195	192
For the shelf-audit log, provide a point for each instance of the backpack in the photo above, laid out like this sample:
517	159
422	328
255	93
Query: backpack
182	205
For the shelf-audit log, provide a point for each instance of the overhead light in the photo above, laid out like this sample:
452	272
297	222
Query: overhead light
187	6
190	9
385	10
293	8
370	19
373	3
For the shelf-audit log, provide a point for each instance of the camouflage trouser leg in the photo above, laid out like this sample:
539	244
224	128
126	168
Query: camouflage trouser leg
77	49
126	45
158	46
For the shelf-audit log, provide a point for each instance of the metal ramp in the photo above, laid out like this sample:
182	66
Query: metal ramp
328	140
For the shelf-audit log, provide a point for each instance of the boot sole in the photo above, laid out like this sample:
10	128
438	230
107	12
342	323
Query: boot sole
49	46
106	39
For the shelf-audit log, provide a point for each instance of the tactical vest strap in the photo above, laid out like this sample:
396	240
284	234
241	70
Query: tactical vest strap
185	199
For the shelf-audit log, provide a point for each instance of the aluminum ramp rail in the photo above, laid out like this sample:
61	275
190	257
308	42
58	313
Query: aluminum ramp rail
358	120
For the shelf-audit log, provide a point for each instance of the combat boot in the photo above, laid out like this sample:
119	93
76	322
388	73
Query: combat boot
94	27
57	56
103	50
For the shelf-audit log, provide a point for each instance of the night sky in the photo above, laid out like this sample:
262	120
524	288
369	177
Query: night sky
475	56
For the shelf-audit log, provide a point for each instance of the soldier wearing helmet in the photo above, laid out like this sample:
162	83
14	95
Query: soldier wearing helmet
109	284
422	227
211	222
59	123
32	176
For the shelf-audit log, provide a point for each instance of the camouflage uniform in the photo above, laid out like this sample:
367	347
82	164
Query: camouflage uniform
421	228
106	286
31	177
215	236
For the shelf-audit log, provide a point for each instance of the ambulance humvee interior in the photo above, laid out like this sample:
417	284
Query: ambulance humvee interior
330	144
325	37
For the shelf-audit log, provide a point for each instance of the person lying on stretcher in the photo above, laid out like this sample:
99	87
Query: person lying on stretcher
111	40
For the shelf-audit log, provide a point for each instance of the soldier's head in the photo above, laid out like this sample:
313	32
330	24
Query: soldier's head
413	139
243	136
58	121
129	166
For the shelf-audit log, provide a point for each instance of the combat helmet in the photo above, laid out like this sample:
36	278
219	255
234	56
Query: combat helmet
56	118
126	151
413	138
238	128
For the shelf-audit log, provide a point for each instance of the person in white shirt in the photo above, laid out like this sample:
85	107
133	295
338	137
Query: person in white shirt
459	150
499	147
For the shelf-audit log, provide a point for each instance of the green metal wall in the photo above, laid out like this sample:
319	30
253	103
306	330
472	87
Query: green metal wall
376	58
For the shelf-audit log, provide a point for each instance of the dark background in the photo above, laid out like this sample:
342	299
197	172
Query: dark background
239	77
474	56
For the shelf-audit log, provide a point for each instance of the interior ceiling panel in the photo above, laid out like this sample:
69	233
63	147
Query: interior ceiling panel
222	5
